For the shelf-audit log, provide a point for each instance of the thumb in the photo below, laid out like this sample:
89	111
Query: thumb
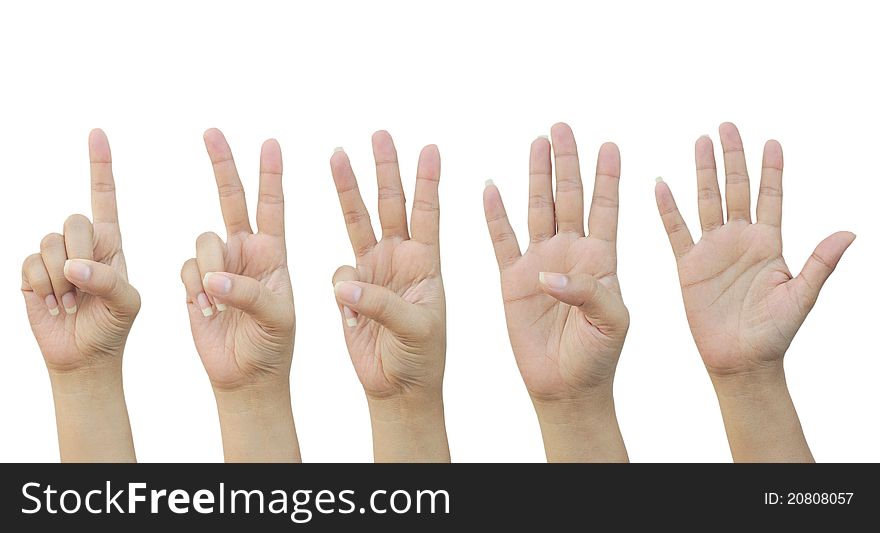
104	282
820	265
377	303
595	301
250	296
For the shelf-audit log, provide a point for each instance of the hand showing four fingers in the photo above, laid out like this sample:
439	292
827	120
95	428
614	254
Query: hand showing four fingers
565	316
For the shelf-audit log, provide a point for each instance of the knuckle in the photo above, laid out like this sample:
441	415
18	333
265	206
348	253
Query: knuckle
31	262
388	192
271	198
229	190
51	240
208	237
354	216
771	192
600	200
424	205
708	193
77	220
735	178
502	237
188	267
540	201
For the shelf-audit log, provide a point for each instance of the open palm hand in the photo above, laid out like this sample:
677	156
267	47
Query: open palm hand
742	302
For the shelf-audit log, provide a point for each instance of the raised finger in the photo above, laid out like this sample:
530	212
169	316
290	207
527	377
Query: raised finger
736	189
357	218
569	187
425	221
603	209
708	193
769	209
542	217
392	201
232	201
270	204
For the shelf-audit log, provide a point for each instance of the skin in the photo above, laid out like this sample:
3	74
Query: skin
240	303
565	315
81	308
392	305
743	304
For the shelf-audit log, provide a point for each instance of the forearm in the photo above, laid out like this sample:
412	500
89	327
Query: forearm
91	415
760	419
409	430
257	425
581	431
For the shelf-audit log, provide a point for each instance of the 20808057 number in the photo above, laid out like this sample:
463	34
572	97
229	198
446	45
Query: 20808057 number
821	498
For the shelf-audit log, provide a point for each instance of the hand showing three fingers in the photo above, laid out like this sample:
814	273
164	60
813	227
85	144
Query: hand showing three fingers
565	315
241	312
392	304
81	309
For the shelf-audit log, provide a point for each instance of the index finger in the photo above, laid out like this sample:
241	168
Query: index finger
232	202
103	186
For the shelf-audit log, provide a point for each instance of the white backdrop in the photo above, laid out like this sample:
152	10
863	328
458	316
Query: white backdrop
481	80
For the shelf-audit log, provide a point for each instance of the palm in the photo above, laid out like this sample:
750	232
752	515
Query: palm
566	338
98	329
395	329
742	303
247	332
233	345
93	332
381	357
738	306
556	347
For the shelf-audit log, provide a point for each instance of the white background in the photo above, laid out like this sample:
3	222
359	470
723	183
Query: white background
481	80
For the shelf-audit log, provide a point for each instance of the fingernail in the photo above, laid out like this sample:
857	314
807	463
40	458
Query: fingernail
69	302
705	136
348	292
217	283
205	304
553	280
489	183
658	179
220	307
350	317
544	137
77	270
338	149
52	304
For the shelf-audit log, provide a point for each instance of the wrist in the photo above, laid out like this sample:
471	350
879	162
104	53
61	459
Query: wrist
409	428
256	423
91	415
90	382
581	429
764	379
